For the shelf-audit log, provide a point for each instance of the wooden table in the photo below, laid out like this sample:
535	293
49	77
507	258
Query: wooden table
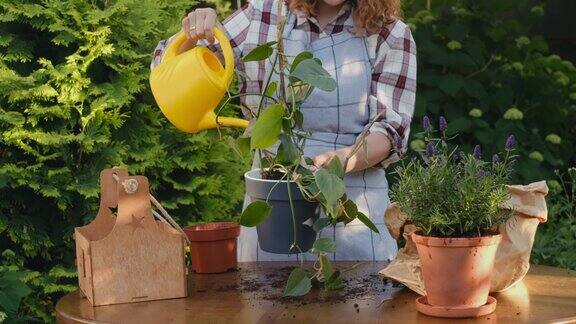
252	295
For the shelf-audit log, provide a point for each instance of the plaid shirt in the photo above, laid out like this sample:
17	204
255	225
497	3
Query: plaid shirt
392	56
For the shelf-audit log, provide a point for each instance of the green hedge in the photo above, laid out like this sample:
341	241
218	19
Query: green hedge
74	99
555	243
483	66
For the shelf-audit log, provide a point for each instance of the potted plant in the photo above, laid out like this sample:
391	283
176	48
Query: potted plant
282	184
286	191
454	199
213	246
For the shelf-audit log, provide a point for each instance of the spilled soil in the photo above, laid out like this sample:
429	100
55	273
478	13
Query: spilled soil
269	285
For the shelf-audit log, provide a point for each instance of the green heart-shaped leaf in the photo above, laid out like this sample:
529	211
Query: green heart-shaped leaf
311	72
324	245
259	53
255	213
332	279
334	282
320	224
267	127
298	91
288	151
298	284
364	219
349	210
299	58
331	186
298	118
336	167
271	89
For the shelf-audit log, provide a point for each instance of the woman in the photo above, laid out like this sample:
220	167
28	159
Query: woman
372	56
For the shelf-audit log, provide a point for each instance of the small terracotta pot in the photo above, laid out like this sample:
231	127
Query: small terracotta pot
457	271
213	246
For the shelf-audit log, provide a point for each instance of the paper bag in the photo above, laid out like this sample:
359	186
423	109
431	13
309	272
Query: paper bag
513	255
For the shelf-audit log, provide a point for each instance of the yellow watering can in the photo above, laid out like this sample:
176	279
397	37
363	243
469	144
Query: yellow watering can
189	86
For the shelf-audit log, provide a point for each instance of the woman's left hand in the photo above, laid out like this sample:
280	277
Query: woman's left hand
377	148
325	158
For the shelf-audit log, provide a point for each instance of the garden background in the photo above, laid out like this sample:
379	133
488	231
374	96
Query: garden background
74	99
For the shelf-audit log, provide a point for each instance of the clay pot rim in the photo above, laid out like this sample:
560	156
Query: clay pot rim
213	231
456	241
211	226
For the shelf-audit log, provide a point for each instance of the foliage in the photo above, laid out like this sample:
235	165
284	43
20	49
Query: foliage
74	99
12	290
451	194
483	65
556	239
281	122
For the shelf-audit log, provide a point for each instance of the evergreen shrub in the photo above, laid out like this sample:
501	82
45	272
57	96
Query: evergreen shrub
74	99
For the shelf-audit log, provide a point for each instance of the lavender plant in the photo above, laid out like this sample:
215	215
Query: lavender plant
448	193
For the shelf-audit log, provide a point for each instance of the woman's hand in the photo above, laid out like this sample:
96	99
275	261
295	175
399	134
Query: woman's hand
325	158
377	148
198	24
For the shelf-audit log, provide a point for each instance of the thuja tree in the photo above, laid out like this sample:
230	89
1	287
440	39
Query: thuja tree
74	99
484	67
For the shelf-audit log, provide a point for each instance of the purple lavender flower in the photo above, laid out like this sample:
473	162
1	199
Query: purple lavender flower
430	150
495	158
459	156
442	124
510	143
483	173
477	154
456	156
426	123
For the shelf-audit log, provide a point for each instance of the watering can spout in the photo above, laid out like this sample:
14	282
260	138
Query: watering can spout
211	121
233	122
188	86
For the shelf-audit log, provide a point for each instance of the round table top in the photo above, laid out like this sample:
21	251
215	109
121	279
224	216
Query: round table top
252	294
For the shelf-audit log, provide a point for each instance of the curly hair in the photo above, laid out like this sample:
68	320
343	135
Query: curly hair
370	15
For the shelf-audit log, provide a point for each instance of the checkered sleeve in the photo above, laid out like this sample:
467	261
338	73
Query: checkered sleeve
393	87
236	27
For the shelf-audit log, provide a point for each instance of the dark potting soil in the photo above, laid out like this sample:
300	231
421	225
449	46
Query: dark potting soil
273	175
270	286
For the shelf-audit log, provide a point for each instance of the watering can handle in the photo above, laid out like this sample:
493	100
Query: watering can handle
174	47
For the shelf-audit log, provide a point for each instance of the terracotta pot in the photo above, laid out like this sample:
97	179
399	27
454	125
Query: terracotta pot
457	271
213	246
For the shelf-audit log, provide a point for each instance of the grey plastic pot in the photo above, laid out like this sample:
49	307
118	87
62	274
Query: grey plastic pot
276	234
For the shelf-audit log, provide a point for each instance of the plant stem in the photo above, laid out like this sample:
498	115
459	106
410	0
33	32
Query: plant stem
361	139
268	79
293	215
280	49
262	96
482	69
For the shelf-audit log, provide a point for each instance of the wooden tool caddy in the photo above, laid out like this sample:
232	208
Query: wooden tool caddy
130	256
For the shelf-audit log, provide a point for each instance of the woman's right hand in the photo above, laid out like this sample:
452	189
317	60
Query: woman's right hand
199	23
